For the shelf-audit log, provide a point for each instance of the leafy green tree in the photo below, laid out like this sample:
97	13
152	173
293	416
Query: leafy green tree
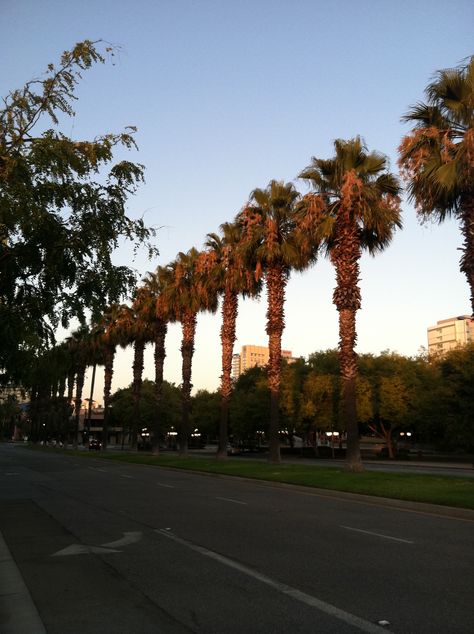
9	416
62	212
437	156
205	414
457	398
122	412
293	376
355	206
249	406
325	362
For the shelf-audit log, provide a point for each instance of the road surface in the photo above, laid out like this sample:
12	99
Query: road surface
93	546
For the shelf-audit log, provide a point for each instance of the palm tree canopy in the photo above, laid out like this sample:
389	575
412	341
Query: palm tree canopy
354	183
185	286
224	263
437	156
272	234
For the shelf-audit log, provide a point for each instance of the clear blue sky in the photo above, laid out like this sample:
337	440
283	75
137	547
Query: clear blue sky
229	94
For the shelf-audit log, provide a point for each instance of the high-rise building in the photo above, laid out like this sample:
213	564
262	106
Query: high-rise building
450	333
251	356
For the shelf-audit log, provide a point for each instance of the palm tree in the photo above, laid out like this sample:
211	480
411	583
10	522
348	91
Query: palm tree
355	207
272	238
186	292
107	337
134	327
226	270
437	156
157	317
79	347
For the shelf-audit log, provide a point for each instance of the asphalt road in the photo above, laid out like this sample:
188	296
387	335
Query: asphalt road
110	547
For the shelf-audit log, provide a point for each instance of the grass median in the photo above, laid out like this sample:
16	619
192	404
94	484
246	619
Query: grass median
433	489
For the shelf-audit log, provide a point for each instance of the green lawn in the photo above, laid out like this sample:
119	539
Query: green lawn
433	489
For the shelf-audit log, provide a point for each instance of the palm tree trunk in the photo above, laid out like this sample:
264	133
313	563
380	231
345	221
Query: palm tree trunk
62	385
187	350
160	354
467	229
229	318
78	402
345	256
70	385
109	357
348	360
276	282
91	396
139	349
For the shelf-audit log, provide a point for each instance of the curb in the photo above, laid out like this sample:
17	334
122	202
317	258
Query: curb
18	613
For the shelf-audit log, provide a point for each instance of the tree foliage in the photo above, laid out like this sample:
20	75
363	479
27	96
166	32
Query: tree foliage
62	211
437	156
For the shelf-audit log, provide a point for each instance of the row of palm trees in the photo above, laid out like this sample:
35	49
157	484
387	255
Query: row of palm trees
353	205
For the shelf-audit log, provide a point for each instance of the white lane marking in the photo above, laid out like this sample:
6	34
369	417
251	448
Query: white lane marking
124	475
82	549
12	473
128	538
98	469
231	500
327	608
166	486
395	539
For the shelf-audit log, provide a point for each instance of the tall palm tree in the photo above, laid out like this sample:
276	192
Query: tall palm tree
272	238
186	292
107	336
134	328
79	346
156	314
226	270
437	156
355	207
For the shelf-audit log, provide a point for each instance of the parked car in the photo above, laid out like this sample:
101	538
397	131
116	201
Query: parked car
95	445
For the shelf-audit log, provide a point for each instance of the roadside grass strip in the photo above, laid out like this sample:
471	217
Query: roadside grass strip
450	490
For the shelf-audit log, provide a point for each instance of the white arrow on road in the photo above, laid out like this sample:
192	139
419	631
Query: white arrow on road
128	538
81	549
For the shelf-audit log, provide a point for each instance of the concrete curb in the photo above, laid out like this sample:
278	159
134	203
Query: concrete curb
18	613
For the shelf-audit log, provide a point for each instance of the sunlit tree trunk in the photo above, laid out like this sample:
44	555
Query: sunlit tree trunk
160	354
229	318
276	282
109	356
78	402
139	349
187	350
345	256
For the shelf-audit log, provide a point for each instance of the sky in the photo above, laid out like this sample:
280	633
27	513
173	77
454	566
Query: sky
230	94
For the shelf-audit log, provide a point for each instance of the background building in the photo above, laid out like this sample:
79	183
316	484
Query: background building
450	333
251	356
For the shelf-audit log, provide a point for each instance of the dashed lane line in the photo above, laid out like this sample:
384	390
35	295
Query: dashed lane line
395	539
232	500
298	595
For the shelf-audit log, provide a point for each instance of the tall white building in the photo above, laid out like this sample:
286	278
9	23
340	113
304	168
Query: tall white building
450	333
251	356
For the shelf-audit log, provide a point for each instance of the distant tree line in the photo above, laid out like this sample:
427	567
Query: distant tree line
432	399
